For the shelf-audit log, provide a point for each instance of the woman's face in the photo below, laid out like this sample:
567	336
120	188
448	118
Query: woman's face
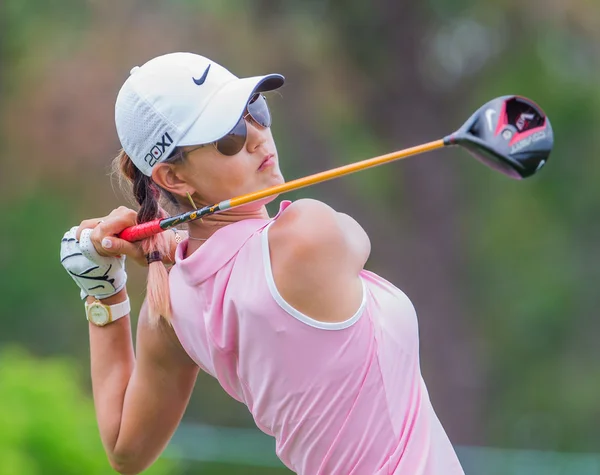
216	177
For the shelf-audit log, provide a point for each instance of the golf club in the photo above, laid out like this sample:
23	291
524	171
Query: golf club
510	134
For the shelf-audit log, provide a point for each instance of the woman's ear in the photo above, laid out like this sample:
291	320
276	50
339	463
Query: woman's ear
168	178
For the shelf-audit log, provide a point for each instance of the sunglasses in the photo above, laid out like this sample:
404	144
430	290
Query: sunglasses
256	111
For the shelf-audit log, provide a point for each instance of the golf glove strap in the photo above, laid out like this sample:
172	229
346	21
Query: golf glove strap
96	275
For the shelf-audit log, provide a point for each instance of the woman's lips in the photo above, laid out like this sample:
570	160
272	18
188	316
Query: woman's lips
267	162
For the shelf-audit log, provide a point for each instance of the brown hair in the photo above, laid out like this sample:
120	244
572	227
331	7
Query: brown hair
148	196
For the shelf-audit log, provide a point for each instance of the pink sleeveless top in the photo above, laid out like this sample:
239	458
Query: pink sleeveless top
339	398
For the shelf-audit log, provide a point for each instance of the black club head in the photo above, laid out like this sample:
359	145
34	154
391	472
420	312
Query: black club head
511	134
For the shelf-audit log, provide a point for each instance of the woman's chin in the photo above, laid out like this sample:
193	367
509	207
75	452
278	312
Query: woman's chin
273	180
262	202
273	177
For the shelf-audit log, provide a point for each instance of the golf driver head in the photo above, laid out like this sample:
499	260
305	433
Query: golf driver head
511	134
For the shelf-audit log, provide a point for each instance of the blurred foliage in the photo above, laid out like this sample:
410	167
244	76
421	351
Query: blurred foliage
503	274
48	423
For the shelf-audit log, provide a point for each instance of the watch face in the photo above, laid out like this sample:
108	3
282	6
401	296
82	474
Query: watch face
98	314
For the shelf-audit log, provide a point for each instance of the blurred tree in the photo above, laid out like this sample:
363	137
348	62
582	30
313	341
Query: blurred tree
47	423
385	42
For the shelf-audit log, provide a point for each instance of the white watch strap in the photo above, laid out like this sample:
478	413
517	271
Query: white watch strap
119	310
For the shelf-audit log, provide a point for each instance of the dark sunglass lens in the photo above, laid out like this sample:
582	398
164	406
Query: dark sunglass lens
234	141
259	111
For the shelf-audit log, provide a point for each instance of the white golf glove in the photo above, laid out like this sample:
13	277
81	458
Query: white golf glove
96	275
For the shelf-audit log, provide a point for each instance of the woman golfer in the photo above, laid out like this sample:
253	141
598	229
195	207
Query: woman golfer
324	354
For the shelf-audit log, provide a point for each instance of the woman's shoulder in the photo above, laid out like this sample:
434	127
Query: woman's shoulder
311	227
305	222
316	256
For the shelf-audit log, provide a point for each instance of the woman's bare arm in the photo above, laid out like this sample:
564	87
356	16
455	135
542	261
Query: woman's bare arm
139	400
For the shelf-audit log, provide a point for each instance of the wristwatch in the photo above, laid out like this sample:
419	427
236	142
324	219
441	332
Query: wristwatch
101	314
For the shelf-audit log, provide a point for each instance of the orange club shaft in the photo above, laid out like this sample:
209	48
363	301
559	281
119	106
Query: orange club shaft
145	230
334	173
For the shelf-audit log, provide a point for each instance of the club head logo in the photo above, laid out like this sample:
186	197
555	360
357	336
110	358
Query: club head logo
523	120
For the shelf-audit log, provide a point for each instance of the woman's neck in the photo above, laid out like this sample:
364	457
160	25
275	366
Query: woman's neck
201	229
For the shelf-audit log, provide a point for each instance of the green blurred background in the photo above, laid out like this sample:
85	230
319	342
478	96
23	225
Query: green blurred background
504	274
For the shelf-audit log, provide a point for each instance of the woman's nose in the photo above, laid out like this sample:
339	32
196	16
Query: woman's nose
256	135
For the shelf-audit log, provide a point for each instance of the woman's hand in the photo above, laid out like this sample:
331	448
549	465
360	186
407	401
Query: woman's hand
104	231
95	258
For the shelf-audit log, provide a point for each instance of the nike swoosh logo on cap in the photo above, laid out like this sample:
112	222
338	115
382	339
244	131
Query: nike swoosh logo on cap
201	80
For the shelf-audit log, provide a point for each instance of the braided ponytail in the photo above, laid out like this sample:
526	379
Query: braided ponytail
147	194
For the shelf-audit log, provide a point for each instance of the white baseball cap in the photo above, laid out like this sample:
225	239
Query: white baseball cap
181	99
